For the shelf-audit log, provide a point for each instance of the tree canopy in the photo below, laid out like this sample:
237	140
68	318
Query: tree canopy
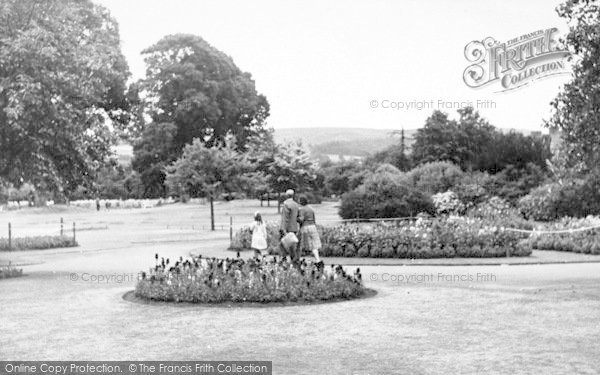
202	94
202	91
62	91
577	106
473	144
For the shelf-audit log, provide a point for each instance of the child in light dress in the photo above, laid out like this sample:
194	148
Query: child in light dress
259	236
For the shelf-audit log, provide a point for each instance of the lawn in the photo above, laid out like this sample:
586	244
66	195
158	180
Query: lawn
524	319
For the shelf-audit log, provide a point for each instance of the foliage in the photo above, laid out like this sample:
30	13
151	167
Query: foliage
382	195
201	91
242	239
203	171
395	155
62	89
153	152
192	91
262	281
444	237
37	242
435	177
587	242
447	203
577	106
284	166
338	177
574	198
513	183
473	144
9	271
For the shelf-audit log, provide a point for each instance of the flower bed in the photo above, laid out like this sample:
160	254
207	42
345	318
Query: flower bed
236	280
587	242
10	271
37	243
443	237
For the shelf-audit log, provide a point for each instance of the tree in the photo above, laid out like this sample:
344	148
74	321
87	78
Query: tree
202	94
209	171
577	106
62	91
474	144
436	140
153	152
284	166
395	155
201	90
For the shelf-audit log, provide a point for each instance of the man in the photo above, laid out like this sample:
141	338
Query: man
289	222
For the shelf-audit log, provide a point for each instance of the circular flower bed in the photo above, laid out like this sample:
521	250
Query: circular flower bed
212	280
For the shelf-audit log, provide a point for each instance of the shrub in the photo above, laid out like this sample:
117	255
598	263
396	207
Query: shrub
447	203
37	242
573	198
219	280
436	177
384	195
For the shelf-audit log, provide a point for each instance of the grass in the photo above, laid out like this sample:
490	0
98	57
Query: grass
531	319
36	243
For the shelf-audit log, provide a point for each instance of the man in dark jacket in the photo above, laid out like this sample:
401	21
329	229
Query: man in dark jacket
289	222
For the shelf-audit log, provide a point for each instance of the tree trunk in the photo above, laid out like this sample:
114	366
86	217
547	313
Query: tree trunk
212	214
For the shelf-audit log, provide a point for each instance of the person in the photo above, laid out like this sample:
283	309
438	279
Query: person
309	236
289	224
259	236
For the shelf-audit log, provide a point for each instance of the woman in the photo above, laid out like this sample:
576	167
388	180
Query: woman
259	235
309	236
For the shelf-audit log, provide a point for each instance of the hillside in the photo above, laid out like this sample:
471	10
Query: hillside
342	141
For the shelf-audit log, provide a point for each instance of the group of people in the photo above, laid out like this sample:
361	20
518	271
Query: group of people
297	230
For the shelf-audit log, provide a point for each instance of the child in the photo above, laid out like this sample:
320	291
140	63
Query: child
259	235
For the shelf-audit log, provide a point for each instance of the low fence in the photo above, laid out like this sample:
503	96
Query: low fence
62	232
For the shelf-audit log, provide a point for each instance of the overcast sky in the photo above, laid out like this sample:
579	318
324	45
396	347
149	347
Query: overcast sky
321	63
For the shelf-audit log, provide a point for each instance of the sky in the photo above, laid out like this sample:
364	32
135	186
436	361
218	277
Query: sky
334	63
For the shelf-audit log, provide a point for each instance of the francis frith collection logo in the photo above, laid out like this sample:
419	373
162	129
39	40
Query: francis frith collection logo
517	62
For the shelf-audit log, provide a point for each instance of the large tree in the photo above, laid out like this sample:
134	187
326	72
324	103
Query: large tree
201	91
577	106
62	91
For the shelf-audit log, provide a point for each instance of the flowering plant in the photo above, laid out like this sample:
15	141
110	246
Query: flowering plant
256	280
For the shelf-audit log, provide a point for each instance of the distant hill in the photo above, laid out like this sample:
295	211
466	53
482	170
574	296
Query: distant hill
357	142
351	143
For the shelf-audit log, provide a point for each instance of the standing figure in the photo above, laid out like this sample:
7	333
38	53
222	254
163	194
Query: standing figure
259	236
309	236
289	224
